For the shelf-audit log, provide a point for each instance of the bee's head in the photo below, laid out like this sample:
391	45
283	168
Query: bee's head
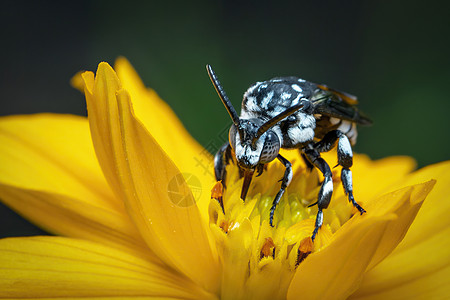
250	147
253	140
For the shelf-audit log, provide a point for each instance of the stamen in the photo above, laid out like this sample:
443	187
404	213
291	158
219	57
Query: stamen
305	249
268	248
225	225
217	193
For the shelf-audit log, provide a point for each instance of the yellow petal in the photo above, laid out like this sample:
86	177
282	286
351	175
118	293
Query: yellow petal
374	178
98	95
73	217
49	174
420	266
160	120
360	242
333	272
433	216
52	267
77	81
420	272
171	226
405	203
51	153
142	173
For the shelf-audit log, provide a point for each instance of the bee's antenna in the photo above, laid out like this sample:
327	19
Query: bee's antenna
231	111
266	126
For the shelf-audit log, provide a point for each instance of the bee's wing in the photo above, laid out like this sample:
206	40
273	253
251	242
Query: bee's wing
339	105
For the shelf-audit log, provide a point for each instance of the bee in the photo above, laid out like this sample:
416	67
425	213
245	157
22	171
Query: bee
290	113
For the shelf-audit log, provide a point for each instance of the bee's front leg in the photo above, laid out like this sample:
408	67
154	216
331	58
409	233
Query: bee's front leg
285	181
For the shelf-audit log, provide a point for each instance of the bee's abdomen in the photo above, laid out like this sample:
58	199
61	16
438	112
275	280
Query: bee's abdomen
325	124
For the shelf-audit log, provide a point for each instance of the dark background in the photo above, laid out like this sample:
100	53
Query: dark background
393	54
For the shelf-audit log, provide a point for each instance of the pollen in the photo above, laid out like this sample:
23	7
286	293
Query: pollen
217	193
268	248
251	251
305	249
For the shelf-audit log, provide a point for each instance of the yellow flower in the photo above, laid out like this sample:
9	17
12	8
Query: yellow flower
129	189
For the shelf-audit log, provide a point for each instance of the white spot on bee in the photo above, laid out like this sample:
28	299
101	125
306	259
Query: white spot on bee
289	176
251	104
296	88
266	100
306	120
319	218
347	178
300	135
345	127
301	80
327	188
245	114
344	146
276	80
262	86
285	96
297	99
334	121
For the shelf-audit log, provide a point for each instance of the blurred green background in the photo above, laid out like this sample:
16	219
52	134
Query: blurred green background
394	55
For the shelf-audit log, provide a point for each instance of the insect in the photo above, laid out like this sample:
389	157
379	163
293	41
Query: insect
290	113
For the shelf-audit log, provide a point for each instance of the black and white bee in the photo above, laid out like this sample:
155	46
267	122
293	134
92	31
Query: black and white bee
291	113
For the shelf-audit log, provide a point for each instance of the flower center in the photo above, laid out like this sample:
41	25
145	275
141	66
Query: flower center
259	260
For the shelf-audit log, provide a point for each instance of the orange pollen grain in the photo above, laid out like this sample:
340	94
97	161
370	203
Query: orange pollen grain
268	248
217	190
225	225
217	193
305	249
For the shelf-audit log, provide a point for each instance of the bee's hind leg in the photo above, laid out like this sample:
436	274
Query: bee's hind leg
308	164
326	190
345	159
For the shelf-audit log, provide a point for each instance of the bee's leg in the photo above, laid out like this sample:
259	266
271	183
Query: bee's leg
345	159
260	169
221	160
309	165
326	190
285	181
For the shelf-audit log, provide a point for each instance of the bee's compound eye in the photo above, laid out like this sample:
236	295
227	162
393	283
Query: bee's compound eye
232	136
271	147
